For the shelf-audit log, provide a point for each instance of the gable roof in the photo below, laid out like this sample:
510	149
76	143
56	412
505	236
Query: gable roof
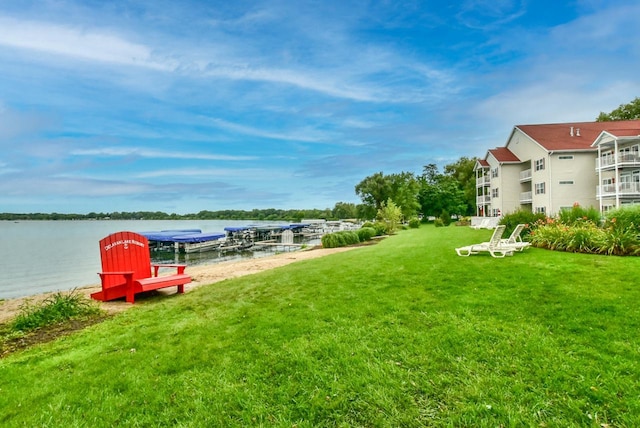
481	163
503	155
575	136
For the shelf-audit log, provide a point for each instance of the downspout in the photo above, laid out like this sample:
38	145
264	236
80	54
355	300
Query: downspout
599	170
550	181
617	174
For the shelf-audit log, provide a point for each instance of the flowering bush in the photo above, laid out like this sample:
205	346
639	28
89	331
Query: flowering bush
577	214
575	232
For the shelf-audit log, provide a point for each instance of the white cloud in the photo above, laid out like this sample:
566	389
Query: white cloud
77	42
149	153
217	172
308	134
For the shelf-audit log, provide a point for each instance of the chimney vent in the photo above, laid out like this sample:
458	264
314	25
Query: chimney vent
578	132
571	132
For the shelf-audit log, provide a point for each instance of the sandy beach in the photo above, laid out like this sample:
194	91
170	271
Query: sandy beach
201	275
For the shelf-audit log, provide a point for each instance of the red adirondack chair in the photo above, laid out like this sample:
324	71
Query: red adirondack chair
127	268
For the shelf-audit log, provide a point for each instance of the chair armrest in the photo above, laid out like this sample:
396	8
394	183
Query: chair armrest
125	273
156	268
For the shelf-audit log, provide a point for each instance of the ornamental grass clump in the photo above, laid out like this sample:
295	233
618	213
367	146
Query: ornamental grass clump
340	239
53	310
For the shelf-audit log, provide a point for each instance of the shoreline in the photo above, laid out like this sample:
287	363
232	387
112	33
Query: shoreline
200	276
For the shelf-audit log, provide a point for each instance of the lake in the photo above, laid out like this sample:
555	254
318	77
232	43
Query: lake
43	256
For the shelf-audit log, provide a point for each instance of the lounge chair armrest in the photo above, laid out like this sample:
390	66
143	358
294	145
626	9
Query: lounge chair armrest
156	268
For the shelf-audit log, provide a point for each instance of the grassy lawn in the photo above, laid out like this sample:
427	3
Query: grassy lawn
403	333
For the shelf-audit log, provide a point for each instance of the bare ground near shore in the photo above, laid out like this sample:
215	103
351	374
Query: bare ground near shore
201	275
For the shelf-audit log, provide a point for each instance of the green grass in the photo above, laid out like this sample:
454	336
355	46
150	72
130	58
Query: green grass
403	333
57	308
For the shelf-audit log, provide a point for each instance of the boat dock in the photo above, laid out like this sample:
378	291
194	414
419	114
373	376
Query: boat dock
240	238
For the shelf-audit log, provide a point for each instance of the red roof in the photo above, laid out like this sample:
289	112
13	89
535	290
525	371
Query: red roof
502	154
483	163
557	136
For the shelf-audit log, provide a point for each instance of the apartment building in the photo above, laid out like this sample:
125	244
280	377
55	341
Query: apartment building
545	168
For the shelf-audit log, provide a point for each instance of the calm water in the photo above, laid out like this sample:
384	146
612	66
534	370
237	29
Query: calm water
41	256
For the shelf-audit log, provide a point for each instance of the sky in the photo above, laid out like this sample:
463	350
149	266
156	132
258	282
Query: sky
183	106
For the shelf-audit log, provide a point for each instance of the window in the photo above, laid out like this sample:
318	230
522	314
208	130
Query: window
565	157
539	164
494	172
494	193
566	181
540	188
541	210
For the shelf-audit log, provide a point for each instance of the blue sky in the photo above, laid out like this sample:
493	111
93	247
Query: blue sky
182	106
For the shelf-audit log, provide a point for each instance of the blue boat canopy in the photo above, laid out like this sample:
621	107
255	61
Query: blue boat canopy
199	237
168	235
238	228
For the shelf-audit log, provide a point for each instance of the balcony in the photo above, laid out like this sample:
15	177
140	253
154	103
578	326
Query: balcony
483	199
621	160
482	181
526	197
525	175
623	190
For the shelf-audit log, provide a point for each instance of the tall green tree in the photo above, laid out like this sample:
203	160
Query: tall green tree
402	188
344	210
628	111
374	190
462	172
405	188
440	192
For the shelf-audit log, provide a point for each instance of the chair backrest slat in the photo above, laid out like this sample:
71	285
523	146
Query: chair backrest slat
125	251
497	235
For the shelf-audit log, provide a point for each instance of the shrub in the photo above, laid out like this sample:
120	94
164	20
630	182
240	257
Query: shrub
55	309
620	241
626	217
438	222
368	224
527	218
340	239
414	223
390	214
380	228
366	233
577	214
445	217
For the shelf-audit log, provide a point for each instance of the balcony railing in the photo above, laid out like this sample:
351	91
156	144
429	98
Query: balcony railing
484	180
525	175
526	197
622	189
621	159
483	199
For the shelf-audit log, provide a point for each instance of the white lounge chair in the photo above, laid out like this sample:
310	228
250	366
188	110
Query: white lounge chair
493	247
485	223
515	240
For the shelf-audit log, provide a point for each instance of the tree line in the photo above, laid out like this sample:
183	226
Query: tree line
432	193
255	214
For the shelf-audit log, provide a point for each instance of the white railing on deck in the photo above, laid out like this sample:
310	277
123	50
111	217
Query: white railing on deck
526	197
525	175
623	189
